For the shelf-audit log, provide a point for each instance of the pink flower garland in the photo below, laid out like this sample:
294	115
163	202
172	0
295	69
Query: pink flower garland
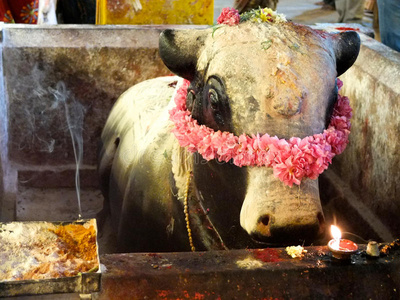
291	160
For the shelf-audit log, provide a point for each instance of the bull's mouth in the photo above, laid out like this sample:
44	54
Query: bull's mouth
307	235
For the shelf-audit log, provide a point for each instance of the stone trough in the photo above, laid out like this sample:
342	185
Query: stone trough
48	71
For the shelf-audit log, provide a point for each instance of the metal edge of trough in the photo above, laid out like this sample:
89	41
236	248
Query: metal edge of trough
83	283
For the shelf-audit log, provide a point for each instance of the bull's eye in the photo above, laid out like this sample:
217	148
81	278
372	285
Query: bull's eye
213	99
213	105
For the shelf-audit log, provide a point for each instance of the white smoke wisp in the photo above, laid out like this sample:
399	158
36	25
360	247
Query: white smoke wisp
74	114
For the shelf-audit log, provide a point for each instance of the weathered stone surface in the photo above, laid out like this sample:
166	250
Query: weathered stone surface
371	162
1	188
53	177
3	124
56	204
248	274
95	66
3	139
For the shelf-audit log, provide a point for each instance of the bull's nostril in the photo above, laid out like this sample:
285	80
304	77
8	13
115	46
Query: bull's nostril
263	226
265	220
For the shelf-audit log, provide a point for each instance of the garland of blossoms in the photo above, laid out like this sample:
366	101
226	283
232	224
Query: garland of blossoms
291	160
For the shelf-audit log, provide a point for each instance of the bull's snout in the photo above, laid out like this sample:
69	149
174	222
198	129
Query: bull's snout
275	229
275	213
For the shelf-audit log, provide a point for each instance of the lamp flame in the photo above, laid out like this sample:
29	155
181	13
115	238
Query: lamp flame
336	233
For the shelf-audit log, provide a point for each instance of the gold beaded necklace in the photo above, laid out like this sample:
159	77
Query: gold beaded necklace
186	211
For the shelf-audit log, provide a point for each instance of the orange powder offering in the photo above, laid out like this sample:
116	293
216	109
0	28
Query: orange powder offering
78	240
44	250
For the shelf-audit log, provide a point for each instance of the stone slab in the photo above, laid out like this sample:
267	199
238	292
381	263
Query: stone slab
58	177
370	163
70	73
249	274
60	204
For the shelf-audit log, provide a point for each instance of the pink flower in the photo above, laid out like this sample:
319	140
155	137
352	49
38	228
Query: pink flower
289	171
226	148
229	16
206	148
338	140
245	153
339	83
342	107
340	123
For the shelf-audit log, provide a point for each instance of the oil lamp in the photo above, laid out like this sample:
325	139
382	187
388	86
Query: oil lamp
341	248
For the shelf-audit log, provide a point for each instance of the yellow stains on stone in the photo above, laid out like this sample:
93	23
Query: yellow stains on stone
249	263
200	12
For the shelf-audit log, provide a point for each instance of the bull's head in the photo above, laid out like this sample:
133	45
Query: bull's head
253	78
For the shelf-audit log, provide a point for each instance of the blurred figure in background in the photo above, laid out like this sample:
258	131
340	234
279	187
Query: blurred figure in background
47	12
350	11
246	5
67	12
389	23
327	4
77	11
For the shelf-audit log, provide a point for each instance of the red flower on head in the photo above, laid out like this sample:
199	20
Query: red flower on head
229	16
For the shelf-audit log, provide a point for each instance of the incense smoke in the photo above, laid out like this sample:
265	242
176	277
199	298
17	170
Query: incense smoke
74	114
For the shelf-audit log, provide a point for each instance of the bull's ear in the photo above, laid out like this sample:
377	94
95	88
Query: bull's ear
347	47
179	50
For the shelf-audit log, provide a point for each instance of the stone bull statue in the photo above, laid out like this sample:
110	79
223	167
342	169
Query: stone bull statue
207	160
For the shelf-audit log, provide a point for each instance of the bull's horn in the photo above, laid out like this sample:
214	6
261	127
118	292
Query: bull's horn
346	50
179	50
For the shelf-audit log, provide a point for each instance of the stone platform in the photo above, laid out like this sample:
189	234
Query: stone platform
245	274
249	274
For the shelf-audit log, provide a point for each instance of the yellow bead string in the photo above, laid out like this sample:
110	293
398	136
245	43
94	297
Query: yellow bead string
186	211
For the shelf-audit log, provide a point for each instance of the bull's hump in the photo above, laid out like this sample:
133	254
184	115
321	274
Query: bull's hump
139	108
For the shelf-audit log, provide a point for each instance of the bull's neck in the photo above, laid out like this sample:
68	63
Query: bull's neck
199	227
